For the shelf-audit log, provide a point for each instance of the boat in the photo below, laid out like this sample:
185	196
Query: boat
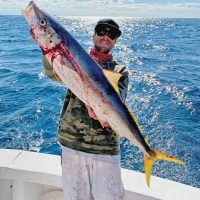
26	175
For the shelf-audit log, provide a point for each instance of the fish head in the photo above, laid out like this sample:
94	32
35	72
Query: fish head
42	27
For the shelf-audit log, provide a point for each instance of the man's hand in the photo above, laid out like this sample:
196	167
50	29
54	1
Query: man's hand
91	112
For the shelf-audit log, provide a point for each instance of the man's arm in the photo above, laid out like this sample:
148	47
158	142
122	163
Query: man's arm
48	70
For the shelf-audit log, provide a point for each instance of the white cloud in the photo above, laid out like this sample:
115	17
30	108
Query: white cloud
132	8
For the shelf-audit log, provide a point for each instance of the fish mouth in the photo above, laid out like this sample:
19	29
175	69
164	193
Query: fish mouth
30	4
28	8
29	11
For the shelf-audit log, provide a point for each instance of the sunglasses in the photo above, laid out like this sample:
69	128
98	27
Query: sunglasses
110	33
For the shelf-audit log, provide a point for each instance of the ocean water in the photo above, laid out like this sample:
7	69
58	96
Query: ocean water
163	58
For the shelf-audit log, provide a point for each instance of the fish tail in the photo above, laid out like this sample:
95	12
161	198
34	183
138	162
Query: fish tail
150	160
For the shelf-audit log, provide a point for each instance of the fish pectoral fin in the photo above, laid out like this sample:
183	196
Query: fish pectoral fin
113	78
156	155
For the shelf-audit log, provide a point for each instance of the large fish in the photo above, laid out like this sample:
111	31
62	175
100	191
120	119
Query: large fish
97	88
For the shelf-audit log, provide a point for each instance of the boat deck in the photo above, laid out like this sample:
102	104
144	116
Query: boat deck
37	176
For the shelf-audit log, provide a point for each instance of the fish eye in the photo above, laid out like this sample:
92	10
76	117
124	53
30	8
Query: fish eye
43	22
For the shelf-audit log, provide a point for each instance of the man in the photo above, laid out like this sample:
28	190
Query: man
91	154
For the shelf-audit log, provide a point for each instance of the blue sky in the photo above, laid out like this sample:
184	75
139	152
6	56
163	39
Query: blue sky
127	8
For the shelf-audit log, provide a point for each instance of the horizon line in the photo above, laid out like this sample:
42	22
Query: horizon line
145	17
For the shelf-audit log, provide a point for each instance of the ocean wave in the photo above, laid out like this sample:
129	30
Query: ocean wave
162	56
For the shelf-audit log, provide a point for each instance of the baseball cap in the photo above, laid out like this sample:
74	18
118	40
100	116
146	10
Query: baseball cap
107	22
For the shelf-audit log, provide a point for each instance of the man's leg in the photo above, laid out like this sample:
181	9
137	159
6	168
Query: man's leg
75	176
106	179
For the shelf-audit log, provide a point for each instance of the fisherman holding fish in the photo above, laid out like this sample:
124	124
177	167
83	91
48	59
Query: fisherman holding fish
94	109
91	153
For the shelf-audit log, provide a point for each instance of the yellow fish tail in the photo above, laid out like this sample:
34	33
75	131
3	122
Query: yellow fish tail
150	160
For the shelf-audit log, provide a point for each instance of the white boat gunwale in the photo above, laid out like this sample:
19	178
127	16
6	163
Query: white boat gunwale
31	175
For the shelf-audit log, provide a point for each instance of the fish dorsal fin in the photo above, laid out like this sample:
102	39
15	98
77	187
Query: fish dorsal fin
113	78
